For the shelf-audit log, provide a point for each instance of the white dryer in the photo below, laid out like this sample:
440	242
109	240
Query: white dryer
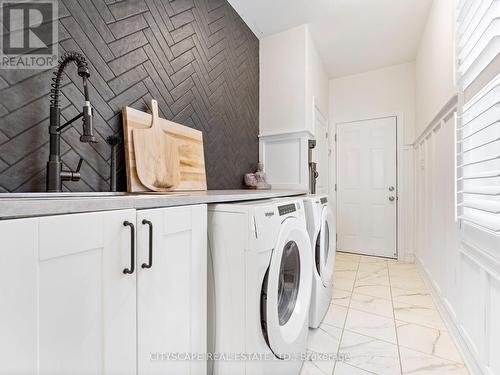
260	278
322	233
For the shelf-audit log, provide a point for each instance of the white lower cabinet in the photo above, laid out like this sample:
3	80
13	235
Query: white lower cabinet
18	296
66	306
171	293
74	298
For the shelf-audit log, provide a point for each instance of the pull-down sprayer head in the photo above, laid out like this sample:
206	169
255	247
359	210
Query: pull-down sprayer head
88	129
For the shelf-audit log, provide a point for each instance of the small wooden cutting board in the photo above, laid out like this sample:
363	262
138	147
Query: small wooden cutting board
178	144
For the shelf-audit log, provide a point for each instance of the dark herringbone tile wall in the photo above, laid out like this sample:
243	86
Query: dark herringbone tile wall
196	57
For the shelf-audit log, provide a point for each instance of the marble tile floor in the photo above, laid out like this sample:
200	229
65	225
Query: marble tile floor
382	320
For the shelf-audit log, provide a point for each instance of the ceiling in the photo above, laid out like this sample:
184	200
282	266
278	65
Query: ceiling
352	36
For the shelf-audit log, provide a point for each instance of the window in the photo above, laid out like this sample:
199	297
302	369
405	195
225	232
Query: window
478	130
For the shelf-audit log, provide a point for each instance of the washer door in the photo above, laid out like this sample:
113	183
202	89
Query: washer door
288	290
326	246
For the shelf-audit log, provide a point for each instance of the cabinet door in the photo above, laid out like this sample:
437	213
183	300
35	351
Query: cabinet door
171	294
18	296
77	305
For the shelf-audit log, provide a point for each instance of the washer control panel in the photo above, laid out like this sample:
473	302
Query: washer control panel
287	209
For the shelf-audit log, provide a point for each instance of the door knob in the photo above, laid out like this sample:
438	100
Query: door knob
391	198
391	188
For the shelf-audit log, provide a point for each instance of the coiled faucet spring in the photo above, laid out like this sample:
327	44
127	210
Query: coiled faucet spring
55	172
83	71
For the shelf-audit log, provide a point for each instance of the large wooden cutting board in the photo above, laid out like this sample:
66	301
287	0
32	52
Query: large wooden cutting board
190	151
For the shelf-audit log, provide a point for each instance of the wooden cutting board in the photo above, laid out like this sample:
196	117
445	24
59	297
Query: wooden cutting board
156	155
191	159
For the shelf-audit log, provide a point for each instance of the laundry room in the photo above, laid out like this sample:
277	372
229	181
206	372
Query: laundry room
249	187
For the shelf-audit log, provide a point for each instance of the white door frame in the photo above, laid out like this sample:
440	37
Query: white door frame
399	142
317	108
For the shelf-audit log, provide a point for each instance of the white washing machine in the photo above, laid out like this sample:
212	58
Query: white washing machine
260	278
322	233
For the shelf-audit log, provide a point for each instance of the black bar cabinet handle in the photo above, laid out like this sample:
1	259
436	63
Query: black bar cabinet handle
132	248
150	263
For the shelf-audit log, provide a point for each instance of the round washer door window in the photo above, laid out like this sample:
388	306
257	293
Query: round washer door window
288	282
325	250
327	241
322	247
286	290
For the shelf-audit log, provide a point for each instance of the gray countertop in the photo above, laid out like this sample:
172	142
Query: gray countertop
41	204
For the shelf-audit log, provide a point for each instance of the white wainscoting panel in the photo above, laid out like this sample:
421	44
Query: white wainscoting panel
493	365
406	204
463	276
471	314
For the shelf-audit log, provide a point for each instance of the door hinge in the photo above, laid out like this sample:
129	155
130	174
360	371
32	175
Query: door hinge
335	137
335	187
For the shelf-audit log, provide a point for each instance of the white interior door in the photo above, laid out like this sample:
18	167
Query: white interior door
321	152
367	187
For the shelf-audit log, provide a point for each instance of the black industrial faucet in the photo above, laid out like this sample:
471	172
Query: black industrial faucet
56	174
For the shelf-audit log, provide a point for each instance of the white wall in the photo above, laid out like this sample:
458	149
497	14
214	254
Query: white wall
384	91
437	235
434	64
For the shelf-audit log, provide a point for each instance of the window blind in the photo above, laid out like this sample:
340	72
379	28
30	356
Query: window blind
478	128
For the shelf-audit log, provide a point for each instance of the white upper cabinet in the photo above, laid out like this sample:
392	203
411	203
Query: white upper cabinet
292	82
171	289
293	99
283	82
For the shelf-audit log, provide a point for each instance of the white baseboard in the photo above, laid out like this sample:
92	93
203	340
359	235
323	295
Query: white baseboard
450	321
407	257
